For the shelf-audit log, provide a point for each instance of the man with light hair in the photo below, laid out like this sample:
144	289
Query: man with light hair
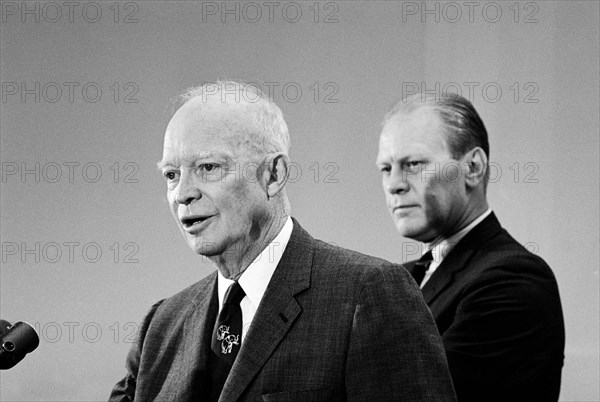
285	316
496	304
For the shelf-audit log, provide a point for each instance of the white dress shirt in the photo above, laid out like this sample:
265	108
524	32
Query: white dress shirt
440	249
255	279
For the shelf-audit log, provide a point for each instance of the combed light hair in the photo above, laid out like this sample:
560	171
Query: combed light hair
465	129
267	124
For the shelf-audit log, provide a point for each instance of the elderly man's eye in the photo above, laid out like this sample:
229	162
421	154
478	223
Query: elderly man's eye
208	167
384	169
170	175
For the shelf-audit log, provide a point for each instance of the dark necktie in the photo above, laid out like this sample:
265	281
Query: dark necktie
421	266
227	334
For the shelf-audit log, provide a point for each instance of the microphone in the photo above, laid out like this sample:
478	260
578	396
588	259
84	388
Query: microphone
15	342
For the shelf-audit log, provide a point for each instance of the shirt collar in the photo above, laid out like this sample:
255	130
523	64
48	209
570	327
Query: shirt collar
255	279
441	249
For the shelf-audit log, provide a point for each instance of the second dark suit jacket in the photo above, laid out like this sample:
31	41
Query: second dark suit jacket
498	310
332	325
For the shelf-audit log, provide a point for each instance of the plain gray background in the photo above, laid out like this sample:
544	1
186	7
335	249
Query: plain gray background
88	243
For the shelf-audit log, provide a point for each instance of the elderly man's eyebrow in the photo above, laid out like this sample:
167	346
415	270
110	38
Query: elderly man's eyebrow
162	164
194	157
205	155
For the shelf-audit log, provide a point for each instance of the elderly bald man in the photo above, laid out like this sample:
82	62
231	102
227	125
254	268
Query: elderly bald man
312	322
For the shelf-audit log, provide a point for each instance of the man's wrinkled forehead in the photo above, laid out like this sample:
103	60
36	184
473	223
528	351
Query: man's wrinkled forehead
198	126
410	132
423	116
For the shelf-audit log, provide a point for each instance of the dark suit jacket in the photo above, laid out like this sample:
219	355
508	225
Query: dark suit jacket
498	310
332	325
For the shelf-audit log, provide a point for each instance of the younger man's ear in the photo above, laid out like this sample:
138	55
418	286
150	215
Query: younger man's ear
476	163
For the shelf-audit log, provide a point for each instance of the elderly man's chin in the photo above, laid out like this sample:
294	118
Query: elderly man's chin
202	246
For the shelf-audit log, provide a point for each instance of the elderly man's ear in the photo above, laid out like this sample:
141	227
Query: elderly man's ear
476	163
276	173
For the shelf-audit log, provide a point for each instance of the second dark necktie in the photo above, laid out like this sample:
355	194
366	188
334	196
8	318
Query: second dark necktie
421	266
227	334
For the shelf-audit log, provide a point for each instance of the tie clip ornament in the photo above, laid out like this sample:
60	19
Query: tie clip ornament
227	339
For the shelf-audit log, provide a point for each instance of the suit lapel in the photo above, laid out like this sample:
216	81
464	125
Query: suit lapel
197	335
277	312
458	258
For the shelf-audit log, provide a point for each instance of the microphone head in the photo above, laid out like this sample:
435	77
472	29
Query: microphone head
16	342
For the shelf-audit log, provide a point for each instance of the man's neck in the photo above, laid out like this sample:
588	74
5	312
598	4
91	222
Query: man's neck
233	263
468	218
